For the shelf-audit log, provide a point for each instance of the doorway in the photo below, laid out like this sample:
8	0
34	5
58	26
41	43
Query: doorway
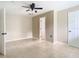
73	28
42	32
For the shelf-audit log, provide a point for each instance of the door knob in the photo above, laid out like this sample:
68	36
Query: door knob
69	30
4	33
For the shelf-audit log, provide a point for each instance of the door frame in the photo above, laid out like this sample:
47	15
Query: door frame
4	31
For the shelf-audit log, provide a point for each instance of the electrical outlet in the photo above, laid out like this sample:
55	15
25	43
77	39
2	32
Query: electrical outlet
50	35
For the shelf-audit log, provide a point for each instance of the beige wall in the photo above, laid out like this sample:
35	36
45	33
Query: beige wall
35	27
62	23
18	27
49	25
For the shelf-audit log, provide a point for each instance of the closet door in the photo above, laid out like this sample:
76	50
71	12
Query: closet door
73	28
2	31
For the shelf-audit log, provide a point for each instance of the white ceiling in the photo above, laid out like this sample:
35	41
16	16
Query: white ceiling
14	7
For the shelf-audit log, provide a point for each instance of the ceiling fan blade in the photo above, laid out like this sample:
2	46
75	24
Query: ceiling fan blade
38	8
25	7
28	10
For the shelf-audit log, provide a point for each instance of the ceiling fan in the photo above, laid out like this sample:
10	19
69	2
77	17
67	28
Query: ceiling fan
32	7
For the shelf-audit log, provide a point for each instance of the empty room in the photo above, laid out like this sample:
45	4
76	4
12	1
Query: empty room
39	29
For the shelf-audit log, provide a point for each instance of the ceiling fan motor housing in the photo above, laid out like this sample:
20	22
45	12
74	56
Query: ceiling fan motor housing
32	6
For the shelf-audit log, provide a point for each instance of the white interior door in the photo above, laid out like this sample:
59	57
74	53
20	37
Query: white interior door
42	28
2	31
73	28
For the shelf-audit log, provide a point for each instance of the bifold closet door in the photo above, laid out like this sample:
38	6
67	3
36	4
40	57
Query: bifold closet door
73	28
2	31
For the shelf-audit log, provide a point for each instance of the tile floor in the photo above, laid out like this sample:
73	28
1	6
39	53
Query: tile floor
40	49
